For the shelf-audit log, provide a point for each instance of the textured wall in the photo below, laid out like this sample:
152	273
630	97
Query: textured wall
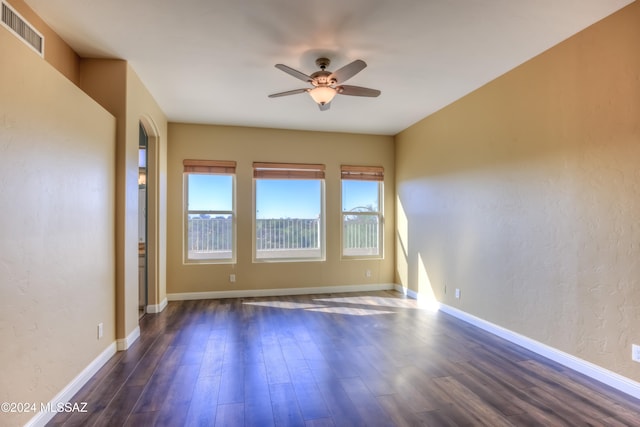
57	220
246	145
115	85
526	196
142	107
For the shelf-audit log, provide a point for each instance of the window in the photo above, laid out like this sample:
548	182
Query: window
289	212
362	211
210	211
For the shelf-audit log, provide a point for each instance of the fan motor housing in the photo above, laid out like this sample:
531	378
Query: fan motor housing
321	78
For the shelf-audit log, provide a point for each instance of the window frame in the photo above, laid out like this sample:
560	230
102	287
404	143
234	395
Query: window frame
289	171
362	173
209	167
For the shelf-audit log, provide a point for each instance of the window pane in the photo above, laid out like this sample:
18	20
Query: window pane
360	235
209	237
288	198
288	219
210	218
360	196
361	218
210	192
142	158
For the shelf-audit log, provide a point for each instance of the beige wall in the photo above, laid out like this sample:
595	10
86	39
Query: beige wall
57	229
117	87
526	195
142	108
246	145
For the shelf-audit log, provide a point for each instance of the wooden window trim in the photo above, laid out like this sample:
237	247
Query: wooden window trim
362	173
209	166
266	170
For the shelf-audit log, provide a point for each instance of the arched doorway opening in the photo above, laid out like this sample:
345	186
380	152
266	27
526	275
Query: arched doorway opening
149	227
143	142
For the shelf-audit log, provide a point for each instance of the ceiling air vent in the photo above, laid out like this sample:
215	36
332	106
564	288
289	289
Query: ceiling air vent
21	28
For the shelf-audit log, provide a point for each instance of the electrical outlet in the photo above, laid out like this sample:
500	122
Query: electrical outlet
100	330
635	352
457	293
367	273
232	278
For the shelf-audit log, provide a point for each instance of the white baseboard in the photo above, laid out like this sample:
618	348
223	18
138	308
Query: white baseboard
408	292
157	308
278	292
125	343
67	393
589	369
429	304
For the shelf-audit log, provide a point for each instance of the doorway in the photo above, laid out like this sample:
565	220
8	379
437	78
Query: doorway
143	142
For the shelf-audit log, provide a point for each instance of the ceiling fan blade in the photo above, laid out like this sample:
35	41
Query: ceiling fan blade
325	107
348	71
289	92
357	91
295	73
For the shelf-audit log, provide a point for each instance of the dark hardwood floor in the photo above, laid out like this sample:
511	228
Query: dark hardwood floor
369	359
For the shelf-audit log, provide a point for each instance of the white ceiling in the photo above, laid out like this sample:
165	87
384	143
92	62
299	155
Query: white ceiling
212	61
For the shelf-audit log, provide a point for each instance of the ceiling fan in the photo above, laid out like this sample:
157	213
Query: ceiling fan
327	84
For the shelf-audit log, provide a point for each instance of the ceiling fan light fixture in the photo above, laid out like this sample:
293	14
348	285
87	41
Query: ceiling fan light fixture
322	94
325	83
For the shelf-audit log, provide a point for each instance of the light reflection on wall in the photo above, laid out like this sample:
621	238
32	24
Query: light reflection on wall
426	296
402	241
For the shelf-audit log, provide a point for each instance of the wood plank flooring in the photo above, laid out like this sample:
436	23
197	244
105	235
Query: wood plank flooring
358	359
